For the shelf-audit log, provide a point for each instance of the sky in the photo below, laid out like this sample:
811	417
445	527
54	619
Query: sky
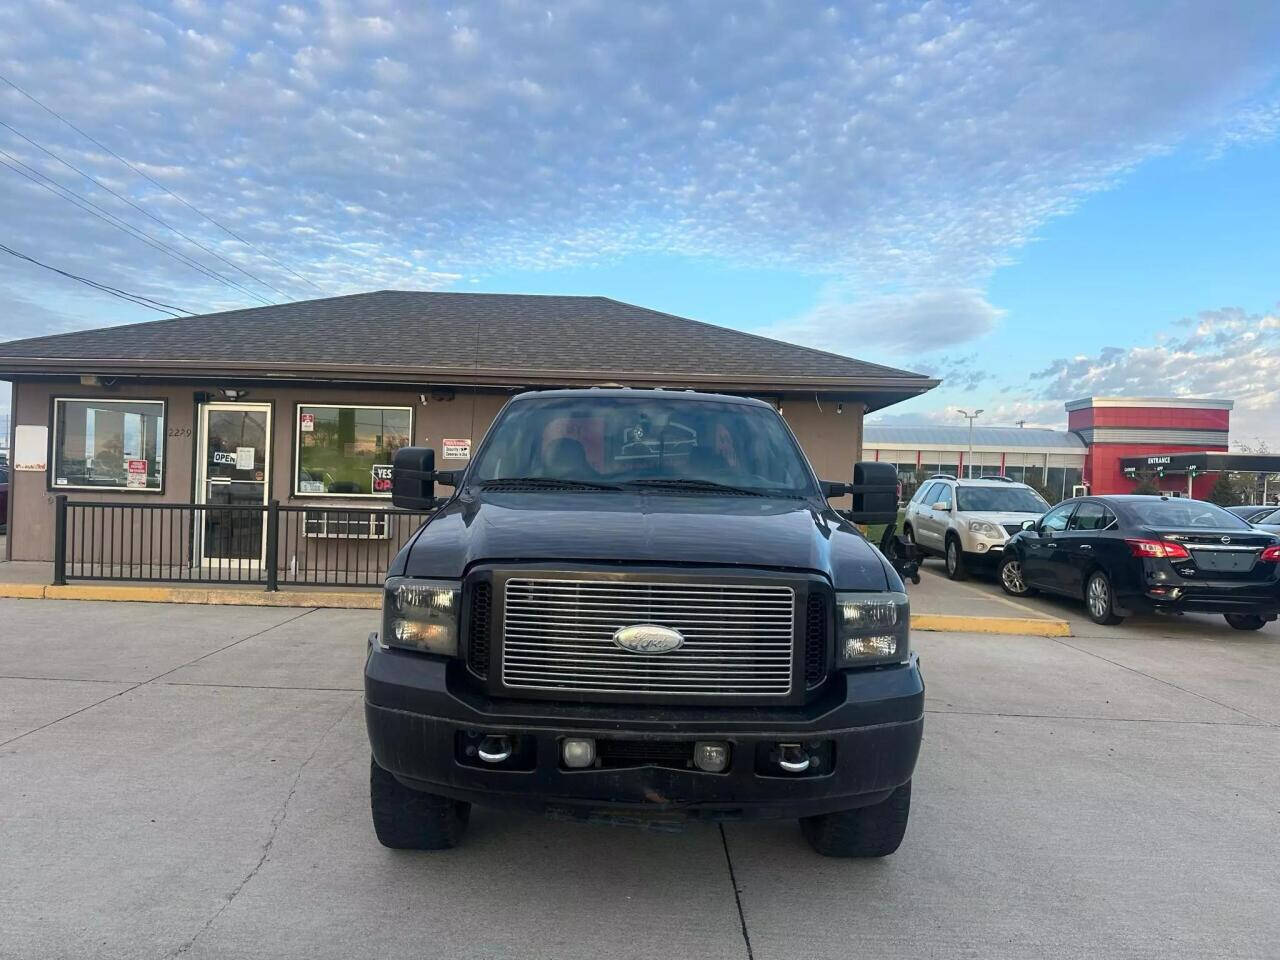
1033	201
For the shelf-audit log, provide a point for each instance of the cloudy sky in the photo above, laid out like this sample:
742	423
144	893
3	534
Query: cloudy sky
1036	201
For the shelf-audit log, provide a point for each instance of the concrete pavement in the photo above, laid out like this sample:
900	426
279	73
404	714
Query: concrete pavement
192	781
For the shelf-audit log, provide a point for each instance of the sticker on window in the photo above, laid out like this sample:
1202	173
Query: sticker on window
456	449
244	458
311	486
381	478
136	474
307	422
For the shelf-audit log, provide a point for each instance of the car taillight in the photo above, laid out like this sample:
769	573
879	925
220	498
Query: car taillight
1158	548
1271	554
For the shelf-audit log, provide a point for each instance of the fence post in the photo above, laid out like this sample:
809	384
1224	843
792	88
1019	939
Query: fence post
60	540
273	543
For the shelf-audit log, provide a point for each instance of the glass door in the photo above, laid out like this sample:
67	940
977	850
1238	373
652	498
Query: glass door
235	471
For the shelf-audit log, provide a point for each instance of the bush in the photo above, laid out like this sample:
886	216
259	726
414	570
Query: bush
1225	492
1146	487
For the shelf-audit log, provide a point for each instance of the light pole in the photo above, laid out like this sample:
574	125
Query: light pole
971	417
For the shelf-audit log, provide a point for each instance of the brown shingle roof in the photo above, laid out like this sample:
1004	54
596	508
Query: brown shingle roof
526	338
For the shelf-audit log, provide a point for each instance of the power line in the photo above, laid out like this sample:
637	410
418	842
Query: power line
98	143
135	298
147	213
89	207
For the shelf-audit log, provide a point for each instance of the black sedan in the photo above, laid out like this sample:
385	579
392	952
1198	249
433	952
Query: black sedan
1129	554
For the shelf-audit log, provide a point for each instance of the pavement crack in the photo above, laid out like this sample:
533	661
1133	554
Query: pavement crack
276	822
737	893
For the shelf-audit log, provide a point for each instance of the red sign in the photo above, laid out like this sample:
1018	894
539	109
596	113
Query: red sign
307	422
135	473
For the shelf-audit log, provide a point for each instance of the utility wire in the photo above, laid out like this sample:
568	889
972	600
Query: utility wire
134	298
95	210
146	213
98	143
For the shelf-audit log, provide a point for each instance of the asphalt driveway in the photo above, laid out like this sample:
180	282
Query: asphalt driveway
192	781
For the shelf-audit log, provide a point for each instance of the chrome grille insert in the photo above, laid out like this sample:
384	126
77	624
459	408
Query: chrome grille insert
558	635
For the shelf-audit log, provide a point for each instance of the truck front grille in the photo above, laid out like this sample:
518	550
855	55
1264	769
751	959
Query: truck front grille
558	635
478	628
815	639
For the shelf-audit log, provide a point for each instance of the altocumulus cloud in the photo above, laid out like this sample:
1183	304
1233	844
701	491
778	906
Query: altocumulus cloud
897	147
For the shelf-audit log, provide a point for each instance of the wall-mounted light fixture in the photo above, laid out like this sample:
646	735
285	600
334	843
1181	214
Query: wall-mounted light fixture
232	394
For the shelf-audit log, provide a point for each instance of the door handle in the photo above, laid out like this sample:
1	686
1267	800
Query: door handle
1050	545
1085	546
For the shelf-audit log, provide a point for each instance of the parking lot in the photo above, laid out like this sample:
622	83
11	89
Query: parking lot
192	781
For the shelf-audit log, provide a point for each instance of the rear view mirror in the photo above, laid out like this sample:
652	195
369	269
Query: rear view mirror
875	492
413	478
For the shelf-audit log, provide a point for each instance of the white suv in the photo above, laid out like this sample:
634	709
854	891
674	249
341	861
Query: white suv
966	521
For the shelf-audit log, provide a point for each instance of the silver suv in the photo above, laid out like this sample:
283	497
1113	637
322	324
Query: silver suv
968	521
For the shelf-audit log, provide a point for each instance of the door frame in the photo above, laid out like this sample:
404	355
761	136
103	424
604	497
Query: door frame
202	464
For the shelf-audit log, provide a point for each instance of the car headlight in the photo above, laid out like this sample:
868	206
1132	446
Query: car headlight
421	615
984	529
872	628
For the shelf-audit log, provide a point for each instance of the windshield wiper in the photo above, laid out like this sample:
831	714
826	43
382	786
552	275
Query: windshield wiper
549	482
691	483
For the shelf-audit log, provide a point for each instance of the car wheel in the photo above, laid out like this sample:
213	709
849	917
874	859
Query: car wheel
408	819
1245	621
955	560
1098	600
874	831
1011	579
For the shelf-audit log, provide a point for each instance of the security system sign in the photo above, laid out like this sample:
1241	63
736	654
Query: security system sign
307	422
456	449
136	474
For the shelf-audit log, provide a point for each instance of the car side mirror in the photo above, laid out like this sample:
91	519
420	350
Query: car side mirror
943	506
1028	524
413	478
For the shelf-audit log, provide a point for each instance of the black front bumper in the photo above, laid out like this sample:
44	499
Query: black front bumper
419	710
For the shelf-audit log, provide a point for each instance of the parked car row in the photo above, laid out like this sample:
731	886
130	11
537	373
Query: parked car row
1121	555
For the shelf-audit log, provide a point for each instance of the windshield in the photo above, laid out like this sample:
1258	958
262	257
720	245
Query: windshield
644	441
1179	514
1000	500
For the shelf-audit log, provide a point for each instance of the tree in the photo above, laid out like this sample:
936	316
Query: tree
1225	492
1146	486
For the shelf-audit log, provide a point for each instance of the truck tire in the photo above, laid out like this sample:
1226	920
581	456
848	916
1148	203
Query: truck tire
874	831
954	558
407	819
1245	621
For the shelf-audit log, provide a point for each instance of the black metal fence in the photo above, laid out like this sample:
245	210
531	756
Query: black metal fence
272	545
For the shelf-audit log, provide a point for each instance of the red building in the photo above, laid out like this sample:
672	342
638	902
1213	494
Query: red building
1116	428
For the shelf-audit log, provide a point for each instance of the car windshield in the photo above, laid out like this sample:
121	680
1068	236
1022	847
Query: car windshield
651	441
1000	500
1179	514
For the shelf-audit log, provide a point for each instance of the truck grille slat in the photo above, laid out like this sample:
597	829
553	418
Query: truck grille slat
738	638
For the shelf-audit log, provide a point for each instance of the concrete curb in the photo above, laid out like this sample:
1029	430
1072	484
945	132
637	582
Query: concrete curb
372	600
1020	626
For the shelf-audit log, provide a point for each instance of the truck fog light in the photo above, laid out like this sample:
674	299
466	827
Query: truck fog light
883	645
579	752
711	756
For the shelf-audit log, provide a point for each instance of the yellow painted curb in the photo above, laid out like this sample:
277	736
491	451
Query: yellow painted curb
1020	626
372	600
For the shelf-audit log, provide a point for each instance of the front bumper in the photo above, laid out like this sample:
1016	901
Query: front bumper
420	710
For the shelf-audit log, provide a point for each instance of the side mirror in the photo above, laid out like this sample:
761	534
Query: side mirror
875	492
832	489
942	505
413	478
1028	524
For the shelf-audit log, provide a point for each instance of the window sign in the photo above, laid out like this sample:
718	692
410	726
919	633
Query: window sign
30	447
108	444
347	450
456	449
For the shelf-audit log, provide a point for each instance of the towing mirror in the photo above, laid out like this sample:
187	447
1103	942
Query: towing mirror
413	478
875	492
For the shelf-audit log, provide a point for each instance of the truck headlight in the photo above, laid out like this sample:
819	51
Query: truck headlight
984	529
421	615
872	628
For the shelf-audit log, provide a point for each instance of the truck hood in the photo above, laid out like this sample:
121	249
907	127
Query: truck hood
644	528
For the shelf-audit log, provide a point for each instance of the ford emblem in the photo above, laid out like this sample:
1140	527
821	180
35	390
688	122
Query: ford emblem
648	638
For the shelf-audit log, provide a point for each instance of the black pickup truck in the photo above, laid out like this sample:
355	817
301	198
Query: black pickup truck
639	606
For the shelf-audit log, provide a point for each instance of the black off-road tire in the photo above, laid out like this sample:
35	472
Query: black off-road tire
407	819
874	831
1245	621
953	559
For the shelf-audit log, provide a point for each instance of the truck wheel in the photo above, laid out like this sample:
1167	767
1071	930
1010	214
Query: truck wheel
874	831
1245	621
407	819
956	569
1099	601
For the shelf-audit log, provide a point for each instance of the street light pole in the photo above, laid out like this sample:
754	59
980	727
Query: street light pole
971	417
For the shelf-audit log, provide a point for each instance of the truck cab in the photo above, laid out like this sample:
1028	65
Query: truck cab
639	605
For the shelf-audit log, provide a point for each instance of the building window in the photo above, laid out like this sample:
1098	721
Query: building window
346	451
108	444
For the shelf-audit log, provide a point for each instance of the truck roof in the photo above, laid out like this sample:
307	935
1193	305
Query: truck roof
637	393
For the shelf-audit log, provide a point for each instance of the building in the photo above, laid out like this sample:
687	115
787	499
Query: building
1052	460
304	404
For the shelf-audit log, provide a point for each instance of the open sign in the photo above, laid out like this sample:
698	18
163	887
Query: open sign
381	478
